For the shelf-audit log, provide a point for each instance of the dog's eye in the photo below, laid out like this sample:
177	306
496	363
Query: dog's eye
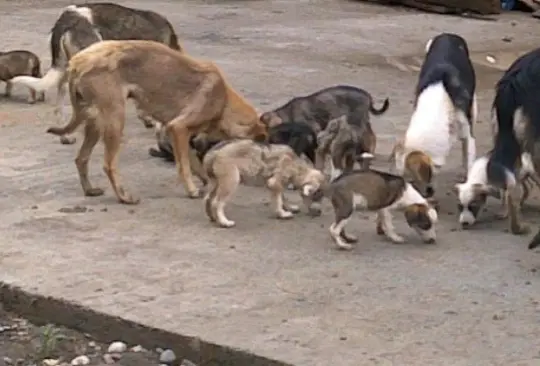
460	207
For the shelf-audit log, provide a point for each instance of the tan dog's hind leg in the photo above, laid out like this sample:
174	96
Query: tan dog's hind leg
9	87
516	227
384	222
91	138
112	137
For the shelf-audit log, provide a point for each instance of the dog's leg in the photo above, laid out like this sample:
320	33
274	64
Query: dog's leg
516	227
468	143
91	138
9	87
343	209
290	207
503	213
59	110
41	96
337	230
145	118
209	201
32	96
526	190
276	189
226	186
112	138
320	157
384	222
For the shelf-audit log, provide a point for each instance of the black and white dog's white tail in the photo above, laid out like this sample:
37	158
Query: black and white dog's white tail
62	42
516	108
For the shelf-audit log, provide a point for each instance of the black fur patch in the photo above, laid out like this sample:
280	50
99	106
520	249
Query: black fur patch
448	61
299	136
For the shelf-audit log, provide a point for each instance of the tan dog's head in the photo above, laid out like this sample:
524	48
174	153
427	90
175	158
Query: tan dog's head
270	119
422	218
312	190
416	167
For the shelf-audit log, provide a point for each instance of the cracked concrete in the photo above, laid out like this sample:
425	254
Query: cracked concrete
275	288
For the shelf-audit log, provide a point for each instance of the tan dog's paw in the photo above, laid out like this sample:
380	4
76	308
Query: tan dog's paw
126	197
521	229
94	192
196	193
397	239
292	208
67	140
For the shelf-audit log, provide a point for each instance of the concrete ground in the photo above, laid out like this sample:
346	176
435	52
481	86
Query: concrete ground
276	288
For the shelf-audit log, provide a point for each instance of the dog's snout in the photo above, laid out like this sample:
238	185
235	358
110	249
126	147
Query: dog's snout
465	225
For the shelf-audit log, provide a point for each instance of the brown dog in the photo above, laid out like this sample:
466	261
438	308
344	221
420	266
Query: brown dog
229	162
20	63
341	142
372	190
188	95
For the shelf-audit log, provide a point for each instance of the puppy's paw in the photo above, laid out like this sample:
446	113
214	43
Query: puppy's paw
348	238
397	239
94	192
285	215
195	194
341	245
224	223
293	208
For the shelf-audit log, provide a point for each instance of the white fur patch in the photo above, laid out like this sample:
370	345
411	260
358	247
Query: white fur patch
428	44
85	13
409	197
432	214
429	128
308	189
360	202
527	165
477	175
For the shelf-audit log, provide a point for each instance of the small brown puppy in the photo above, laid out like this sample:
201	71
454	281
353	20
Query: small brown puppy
229	162
341	141
372	190
20	63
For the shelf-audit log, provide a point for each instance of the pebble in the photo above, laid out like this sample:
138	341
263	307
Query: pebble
50	362
117	347
137	348
92	344
80	361
8	361
159	350
167	356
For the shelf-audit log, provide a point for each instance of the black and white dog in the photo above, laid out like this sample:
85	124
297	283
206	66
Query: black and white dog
516	152
79	26
445	106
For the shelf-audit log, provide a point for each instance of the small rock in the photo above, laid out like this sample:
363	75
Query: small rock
117	347
167	356
108	359
8	361
50	362
80	361
92	344
137	348
186	362
342	338
74	209
451	312
159	350
498	317
34	207
507	39
527	282
104	209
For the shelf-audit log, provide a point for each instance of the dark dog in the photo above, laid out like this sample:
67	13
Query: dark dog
299	136
79	26
516	152
319	108
20	63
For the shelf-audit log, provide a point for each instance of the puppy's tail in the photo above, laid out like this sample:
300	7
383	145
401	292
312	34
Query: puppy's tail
535	242
381	110
51	79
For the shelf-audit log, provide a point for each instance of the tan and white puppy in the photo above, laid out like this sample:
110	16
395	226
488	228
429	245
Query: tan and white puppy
372	190
344	145
229	162
445	110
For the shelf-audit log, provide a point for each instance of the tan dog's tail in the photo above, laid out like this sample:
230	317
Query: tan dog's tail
67	129
381	110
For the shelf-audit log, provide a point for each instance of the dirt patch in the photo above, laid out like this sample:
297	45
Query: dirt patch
38	330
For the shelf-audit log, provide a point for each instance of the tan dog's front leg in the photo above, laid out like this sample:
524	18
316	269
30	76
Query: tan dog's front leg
516	227
59	111
384	223
180	142
9	87
276	188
